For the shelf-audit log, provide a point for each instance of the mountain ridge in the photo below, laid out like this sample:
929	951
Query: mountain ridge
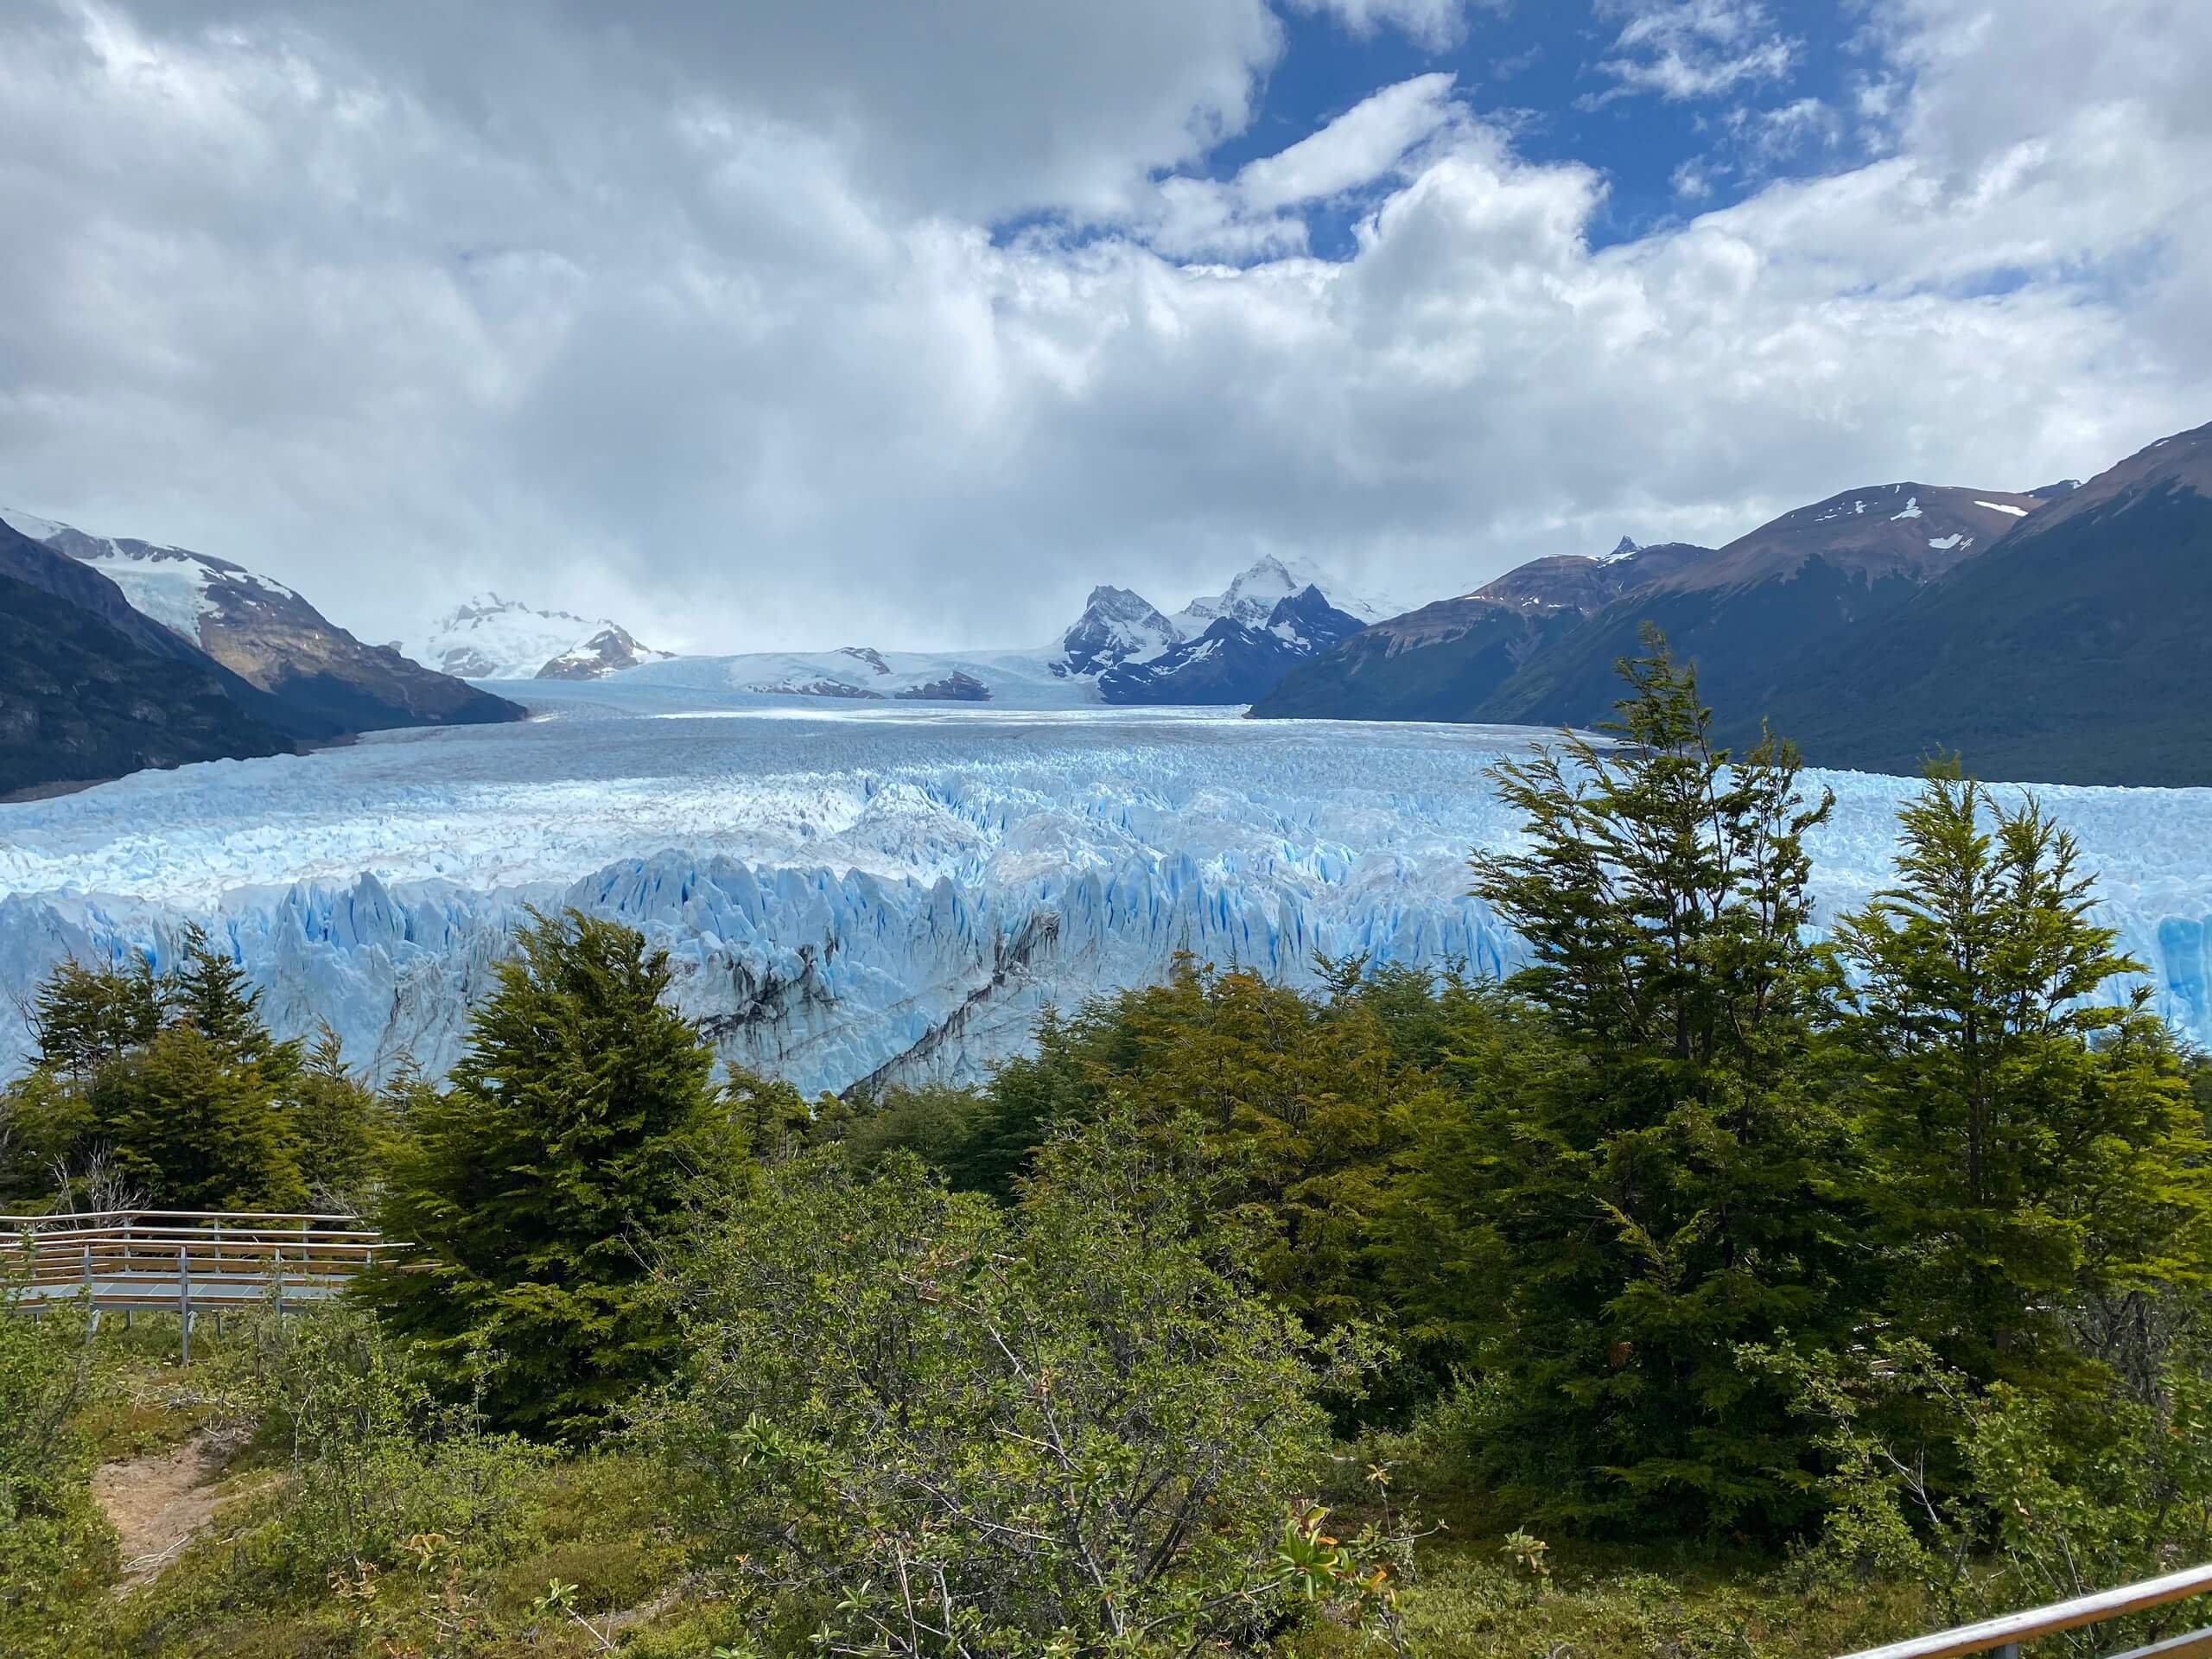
320	681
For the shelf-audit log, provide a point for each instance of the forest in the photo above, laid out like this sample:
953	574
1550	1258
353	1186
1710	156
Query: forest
1716	1283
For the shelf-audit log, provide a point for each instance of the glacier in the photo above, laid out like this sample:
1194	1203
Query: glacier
878	892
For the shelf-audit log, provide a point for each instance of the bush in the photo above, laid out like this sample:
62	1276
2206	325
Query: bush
920	1425
56	1550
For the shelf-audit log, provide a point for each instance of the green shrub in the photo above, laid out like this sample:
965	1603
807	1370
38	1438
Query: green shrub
922	1425
57	1553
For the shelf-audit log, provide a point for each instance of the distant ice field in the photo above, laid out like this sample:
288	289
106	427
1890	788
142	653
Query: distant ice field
887	891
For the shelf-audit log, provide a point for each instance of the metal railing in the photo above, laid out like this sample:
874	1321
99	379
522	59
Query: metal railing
191	1261
2002	1636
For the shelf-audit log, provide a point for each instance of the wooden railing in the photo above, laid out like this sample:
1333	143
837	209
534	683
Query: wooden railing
2002	1636
191	1261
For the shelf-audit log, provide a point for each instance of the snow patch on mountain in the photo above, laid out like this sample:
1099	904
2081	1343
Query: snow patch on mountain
174	586
26	523
489	638
1255	591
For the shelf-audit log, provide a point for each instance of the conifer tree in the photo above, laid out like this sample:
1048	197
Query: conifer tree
341	1127
172	1083
538	1184
83	1017
1658	1195
2036	1167
209	991
195	1128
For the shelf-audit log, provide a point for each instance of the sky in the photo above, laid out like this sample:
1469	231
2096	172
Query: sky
904	324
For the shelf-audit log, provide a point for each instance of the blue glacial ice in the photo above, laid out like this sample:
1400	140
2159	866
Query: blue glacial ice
887	892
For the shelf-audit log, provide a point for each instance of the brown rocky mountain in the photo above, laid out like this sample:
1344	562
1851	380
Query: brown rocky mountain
321	681
89	688
1537	645
1449	659
2070	649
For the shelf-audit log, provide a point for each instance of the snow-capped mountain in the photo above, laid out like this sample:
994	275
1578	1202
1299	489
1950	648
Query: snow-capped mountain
322	681
91	688
1226	647
176	587
1233	660
1252	597
1116	626
494	639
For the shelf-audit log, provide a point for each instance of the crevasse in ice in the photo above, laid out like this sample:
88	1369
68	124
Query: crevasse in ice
887	891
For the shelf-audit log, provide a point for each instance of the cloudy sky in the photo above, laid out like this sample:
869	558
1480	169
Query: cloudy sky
905	322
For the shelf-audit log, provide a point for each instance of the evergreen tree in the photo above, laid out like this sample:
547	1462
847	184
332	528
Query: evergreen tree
2036	1166
342	1127
83	1017
194	1128
171	1084
207	991
536	1186
1659	1194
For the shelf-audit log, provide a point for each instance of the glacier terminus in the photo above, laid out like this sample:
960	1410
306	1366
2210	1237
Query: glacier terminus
880	893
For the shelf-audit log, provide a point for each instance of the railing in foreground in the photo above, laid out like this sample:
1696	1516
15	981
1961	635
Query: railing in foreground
2002	1636
193	1261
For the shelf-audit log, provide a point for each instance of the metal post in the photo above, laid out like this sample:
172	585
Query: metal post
183	1310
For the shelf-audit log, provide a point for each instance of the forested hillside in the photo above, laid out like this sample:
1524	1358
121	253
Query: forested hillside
1702	1289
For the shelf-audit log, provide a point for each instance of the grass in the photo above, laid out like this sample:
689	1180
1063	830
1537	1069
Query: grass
1469	1601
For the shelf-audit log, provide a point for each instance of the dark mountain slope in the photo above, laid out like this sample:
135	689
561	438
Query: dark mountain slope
320	681
1749	613
85	694
1232	660
2071	650
1445	661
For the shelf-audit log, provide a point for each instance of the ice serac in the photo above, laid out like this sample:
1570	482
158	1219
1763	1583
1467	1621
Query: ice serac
876	890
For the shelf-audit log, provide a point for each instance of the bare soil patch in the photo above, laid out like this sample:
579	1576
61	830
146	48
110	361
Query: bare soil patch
158	1501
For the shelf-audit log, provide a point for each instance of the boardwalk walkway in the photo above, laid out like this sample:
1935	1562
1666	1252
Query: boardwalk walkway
186	1262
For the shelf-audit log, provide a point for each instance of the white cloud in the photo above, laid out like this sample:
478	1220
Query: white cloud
1357	148
1433	23
1686	49
400	303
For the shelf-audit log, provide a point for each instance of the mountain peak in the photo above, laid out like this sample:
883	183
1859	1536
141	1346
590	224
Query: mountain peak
1117	625
488	637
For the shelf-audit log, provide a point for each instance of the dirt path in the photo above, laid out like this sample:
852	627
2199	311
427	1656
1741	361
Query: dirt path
158	1501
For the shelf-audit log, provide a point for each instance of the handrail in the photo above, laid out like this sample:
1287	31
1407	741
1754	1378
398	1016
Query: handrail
39	1241
125	1260
2008	1629
20	1222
